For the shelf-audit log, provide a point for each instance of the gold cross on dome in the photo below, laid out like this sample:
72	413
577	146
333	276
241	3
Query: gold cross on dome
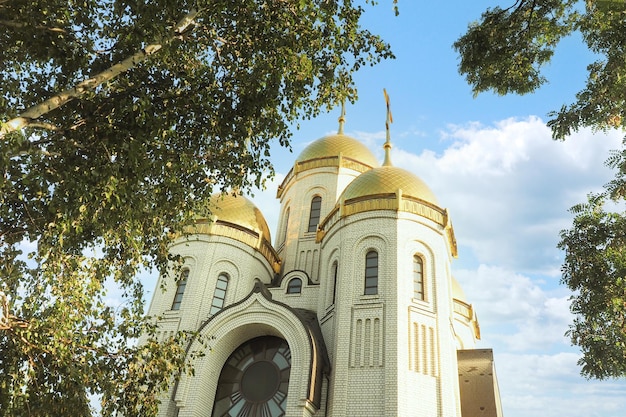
387	145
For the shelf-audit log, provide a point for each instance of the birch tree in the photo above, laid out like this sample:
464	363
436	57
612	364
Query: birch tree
505	52
119	119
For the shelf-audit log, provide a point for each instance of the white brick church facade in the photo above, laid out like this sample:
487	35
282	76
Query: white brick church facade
352	312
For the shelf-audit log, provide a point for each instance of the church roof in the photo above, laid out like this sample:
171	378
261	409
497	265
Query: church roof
240	211
389	179
389	188
238	218
333	145
332	151
457	291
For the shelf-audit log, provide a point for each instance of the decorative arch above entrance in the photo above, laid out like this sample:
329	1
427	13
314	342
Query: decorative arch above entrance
251	325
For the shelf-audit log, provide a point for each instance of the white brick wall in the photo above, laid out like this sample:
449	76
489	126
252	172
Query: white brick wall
390	353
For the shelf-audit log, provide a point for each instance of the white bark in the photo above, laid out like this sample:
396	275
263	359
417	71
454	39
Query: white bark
56	101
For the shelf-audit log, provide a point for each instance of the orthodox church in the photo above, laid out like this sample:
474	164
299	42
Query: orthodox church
352	311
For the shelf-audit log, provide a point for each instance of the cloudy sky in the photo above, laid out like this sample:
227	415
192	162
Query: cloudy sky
508	186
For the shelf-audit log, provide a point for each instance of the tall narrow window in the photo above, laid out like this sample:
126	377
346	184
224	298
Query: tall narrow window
314	218
285	226
335	269
220	294
180	289
294	286
418	278
371	273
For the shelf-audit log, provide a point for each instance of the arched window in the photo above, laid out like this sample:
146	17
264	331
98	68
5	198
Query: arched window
314	217
220	294
283	236
335	269
180	289
418	278
371	273
294	286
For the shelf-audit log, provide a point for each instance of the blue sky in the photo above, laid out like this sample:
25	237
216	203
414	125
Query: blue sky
508	187
490	160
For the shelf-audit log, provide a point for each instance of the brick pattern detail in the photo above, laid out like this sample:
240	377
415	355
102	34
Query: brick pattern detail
423	350
308	261
367	343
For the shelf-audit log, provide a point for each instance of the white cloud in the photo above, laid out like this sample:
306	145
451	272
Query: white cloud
537	370
550	386
514	311
509	187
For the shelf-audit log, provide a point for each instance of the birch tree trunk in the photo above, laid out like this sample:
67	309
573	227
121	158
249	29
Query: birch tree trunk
29	116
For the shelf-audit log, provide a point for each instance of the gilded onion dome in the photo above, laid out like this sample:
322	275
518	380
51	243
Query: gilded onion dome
238	218
389	188
238	210
332	151
464	309
386	188
334	145
457	291
389	179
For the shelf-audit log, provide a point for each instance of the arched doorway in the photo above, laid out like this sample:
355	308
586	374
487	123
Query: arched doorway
254	380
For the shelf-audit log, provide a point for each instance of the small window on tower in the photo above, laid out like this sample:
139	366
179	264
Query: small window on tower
220	294
314	218
418	278
335	270
285	226
294	286
180	289
371	273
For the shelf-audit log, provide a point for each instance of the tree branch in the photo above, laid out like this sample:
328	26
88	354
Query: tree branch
44	125
83	87
27	117
19	25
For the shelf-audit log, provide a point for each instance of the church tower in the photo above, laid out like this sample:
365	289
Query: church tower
320	174
353	311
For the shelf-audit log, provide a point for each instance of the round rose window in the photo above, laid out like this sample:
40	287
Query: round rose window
254	380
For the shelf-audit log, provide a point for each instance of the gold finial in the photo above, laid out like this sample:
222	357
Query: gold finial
342	118
387	145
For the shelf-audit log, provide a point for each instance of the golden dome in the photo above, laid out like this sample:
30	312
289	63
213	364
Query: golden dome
240	211
457	291
389	179
333	145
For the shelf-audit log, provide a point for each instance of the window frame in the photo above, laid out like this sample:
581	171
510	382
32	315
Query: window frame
335	269
181	284
294	289
370	281
315	213
230	397
218	302
419	279
285	225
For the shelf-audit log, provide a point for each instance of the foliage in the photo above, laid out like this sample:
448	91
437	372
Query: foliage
506	50
182	99
595	269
